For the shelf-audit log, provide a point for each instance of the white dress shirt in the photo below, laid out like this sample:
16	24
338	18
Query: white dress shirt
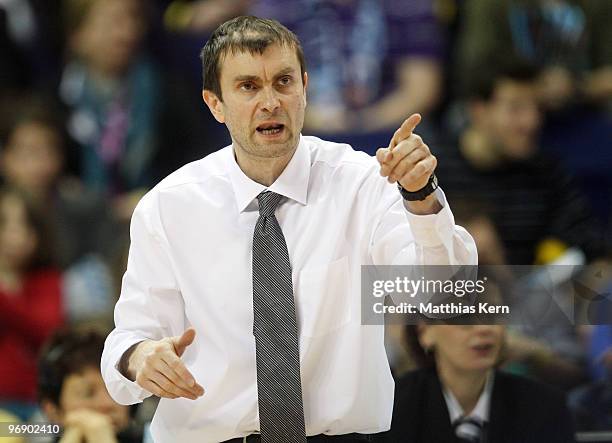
190	264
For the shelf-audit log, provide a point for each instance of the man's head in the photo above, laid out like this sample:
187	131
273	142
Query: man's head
504	107
255	82
70	379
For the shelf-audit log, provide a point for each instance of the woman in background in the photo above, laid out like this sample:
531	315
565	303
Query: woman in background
458	395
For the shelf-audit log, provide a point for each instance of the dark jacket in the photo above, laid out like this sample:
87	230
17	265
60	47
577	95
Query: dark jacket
521	411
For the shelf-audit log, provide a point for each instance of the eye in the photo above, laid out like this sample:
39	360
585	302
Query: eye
285	80
247	86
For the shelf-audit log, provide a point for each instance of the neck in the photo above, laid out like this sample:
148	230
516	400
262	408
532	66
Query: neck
466	386
263	170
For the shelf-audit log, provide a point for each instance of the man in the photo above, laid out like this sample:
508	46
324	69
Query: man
271	287
537	209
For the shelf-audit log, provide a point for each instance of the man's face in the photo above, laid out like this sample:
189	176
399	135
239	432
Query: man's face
511	119
263	103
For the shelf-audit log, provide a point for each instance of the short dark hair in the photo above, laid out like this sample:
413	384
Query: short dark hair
241	34
482	84
67	352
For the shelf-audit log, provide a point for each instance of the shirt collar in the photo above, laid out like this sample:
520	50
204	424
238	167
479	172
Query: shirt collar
481	410
292	183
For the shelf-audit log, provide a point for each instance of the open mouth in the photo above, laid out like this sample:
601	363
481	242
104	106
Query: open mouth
270	128
483	347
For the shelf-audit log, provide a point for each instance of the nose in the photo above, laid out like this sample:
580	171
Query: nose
270	101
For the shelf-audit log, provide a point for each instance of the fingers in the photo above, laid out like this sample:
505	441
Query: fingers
162	372
161	380
407	153
405	130
406	164
419	174
157	390
181	343
178	374
159	384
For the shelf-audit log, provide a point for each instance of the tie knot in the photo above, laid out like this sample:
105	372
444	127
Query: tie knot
468	429
268	201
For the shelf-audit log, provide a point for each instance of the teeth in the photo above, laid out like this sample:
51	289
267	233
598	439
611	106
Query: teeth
270	131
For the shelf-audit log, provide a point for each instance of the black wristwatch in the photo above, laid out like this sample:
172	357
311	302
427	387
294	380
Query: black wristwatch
422	193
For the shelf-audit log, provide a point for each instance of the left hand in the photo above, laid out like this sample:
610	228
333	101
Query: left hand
407	159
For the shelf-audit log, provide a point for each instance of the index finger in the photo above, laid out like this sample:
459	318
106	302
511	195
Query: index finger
405	130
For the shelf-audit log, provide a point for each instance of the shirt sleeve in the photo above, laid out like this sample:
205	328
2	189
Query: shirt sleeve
150	305
403	238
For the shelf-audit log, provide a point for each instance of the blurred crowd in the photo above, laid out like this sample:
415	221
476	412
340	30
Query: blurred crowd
100	99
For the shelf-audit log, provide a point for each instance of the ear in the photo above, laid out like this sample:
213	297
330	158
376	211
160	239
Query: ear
215	105
305	81
52	411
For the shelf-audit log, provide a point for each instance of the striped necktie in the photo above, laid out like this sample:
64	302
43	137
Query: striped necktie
279	387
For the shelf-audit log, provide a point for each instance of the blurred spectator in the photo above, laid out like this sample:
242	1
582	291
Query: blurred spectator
458	395
72	392
30	299
370	63
536	208
132	121
568	39
111	90
32	155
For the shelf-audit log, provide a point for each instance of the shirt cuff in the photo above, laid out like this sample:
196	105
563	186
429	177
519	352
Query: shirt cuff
122	389
433	230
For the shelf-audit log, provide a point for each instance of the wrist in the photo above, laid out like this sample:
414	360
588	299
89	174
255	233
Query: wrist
430	205
420	194
127	364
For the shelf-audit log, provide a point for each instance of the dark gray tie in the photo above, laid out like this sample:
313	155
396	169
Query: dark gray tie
279	387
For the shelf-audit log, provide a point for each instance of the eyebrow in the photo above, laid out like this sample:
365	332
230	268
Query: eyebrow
245	78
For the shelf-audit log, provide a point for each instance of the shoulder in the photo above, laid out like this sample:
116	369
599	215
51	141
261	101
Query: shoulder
198	172
530	396
529	409
337	155
415	384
